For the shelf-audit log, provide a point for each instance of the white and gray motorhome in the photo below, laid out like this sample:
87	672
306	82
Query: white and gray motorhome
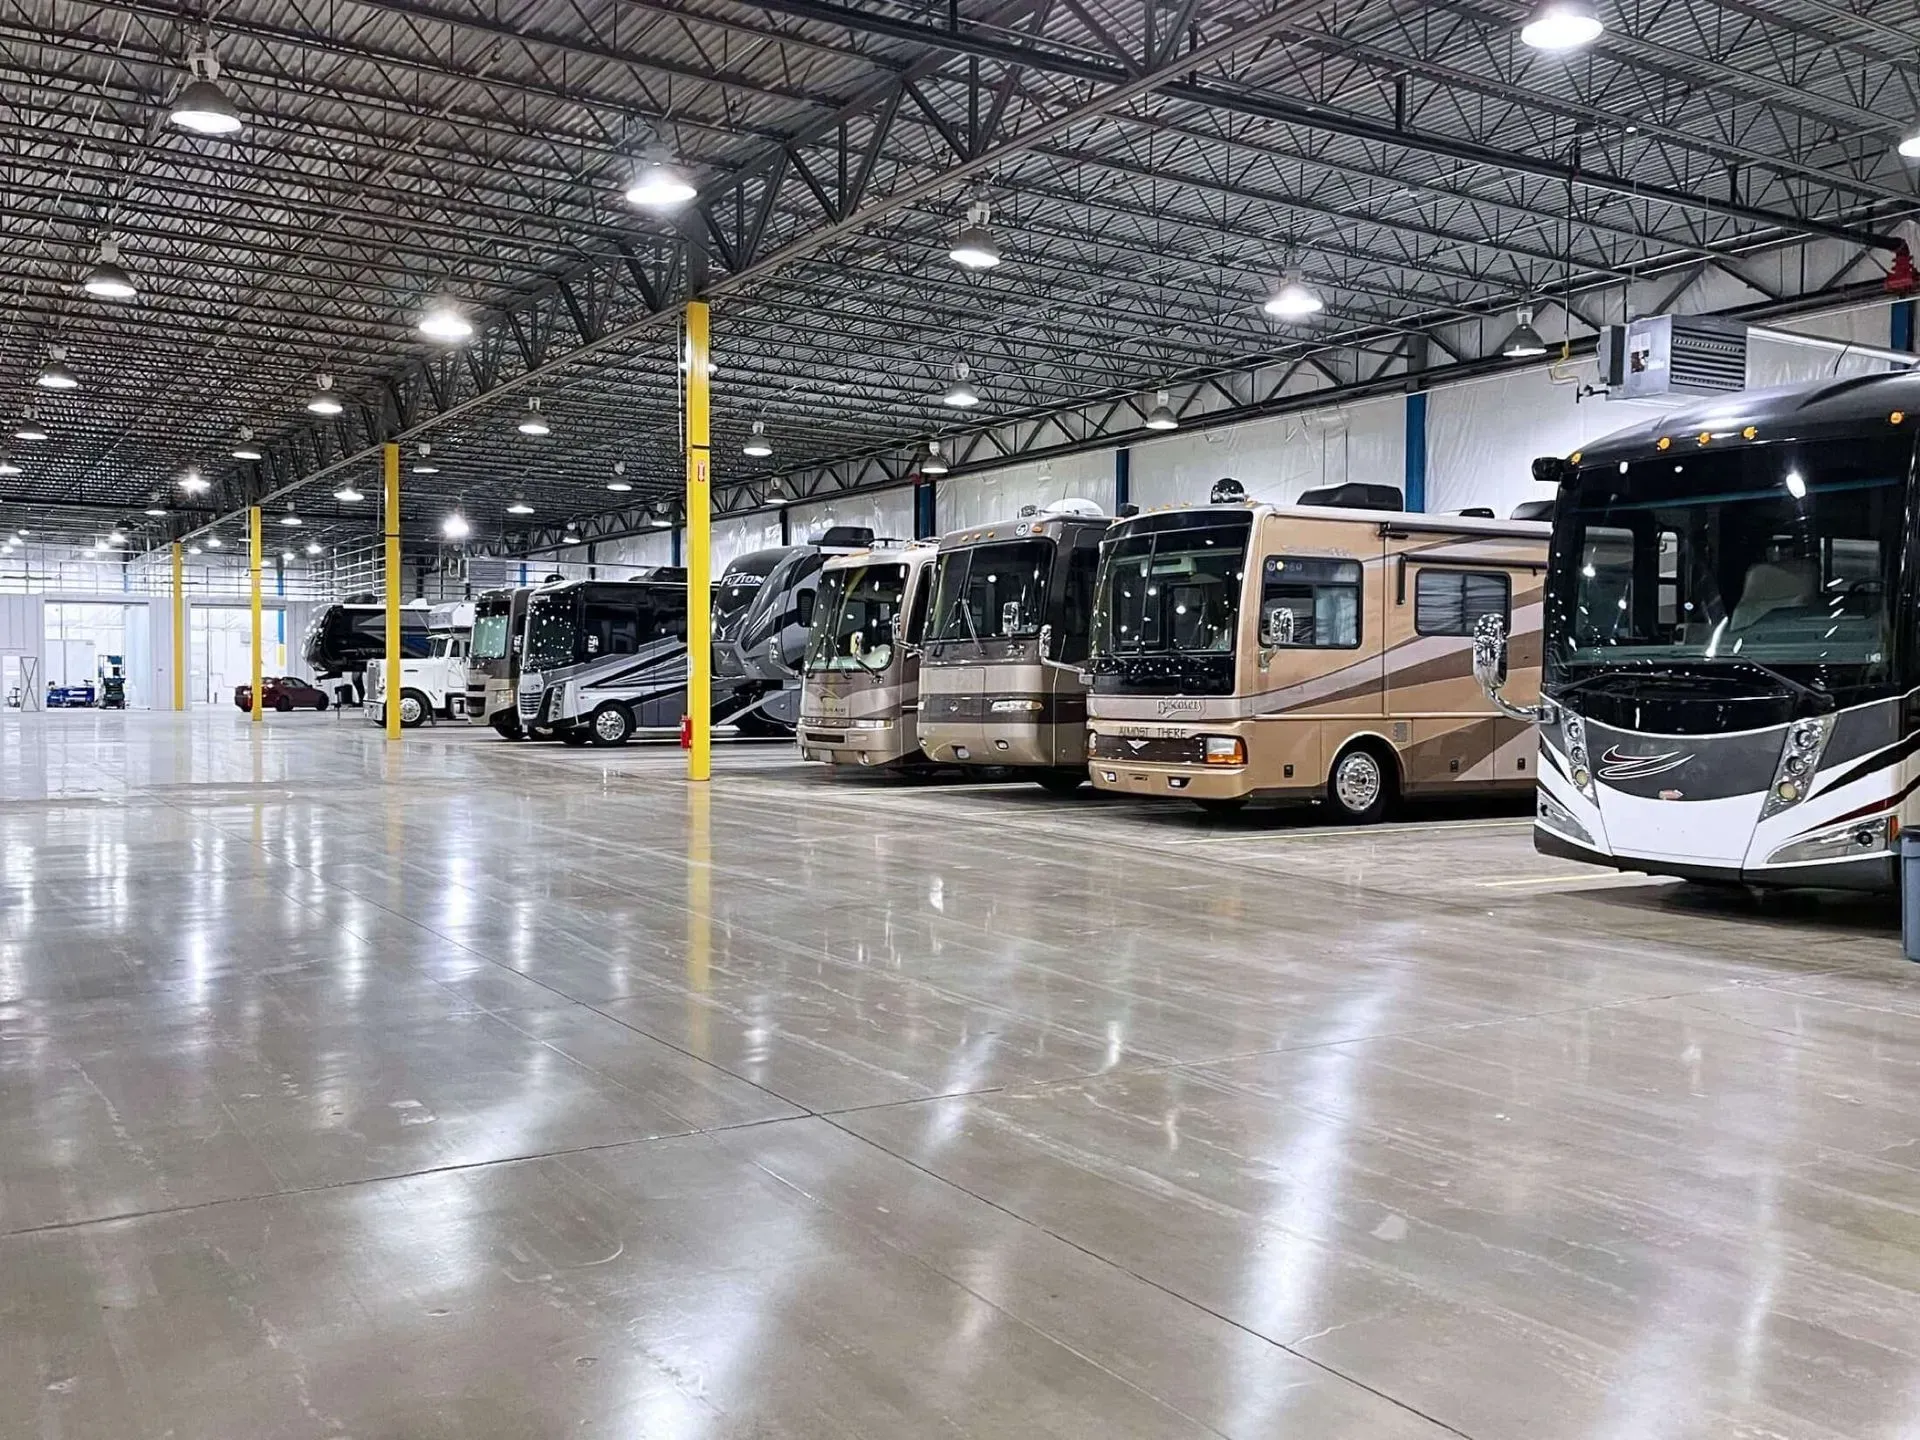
762	612
1732	640
604	659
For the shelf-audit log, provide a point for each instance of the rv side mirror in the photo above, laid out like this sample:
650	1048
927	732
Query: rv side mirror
1010	618
1490	667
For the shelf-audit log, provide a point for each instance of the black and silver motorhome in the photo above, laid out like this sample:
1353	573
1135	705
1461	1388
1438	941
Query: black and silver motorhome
343	639
603	659
493	666
762	610
1730	639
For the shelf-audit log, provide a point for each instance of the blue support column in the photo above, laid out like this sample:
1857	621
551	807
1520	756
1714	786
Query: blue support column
1416	475
523	572
926	514
676	545
1901	324
1122	478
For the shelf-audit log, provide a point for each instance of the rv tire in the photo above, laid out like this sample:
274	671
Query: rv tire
1362	784
321	703
612	724
413	709
1061	782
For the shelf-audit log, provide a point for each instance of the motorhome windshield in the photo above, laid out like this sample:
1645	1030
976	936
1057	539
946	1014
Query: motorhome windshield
987	592
1774	566
858	618
491	623
552	632
1169	603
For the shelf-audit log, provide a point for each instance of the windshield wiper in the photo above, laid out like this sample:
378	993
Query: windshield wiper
1657	674
1820	697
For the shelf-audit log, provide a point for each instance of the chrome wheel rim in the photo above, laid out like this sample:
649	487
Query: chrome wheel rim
409	710
1356	782
608	726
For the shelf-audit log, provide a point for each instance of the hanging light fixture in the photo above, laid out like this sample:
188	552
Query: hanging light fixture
518	505
1294	300
194	483
1910	145
202	106
572	528
117	535
935	463
291	517
193	549
757	445
1562	25
30	429
324	401
7	467
455	527
974	247
214	542
533	422
286	557
961	393
54	375
1161	417
245	449
347	494
157	506
108	279
313	547
660	184
618	484
423	468
446	324
1523	341
660	522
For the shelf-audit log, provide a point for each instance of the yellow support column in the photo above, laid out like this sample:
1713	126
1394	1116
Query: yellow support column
259	678
180	659
699	550
390	466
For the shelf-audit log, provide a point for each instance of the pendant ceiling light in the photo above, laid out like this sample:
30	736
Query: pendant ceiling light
347	495
660	522
157	505
286	557
214	542
935	463
757	445
974	247
1523	341
1910	145
203	107
7	467
1562	25
533	422
423	467
324	401
961	393
1294	300
108	279
446	324
291	517
518	505
244	448
30	429
313	547
619	483
194	483
661	185
455	527
1161	417
54	375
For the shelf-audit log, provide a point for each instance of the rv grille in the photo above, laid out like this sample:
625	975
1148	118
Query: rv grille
1173	750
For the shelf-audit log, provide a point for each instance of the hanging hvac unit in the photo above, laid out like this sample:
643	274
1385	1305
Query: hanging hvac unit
1673	355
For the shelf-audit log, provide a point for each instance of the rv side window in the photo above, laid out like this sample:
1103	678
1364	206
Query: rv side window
917	616
1452	602
611	629
1309	604
805	606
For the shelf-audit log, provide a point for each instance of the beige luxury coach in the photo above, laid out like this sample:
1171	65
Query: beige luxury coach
859	701
1249	651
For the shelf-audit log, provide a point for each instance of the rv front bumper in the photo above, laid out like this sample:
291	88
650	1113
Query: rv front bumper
1177	782
856	742
1875	872
1010	742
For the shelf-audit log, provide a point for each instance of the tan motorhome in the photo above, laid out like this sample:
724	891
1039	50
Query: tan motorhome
1000	679
1247	651
860	695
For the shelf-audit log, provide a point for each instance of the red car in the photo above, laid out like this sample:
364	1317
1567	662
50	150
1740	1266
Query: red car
286	692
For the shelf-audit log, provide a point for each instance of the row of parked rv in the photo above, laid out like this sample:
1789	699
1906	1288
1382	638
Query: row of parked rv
1726	619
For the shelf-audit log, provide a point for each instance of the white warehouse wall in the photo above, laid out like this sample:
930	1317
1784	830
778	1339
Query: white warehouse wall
1276	458
888	513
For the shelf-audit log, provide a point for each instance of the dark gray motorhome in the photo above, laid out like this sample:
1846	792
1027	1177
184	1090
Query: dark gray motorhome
342	640
603	659
1731	631
762	610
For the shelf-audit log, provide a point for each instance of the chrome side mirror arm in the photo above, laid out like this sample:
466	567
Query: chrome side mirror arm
1046	643
1489	660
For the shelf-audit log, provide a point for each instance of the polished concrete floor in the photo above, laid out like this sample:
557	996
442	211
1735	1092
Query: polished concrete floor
470	1089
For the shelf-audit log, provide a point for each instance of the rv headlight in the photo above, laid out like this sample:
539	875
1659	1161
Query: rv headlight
1015	707
1550	813
1223	750
1575	729
1851	841
1800	751
871	724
